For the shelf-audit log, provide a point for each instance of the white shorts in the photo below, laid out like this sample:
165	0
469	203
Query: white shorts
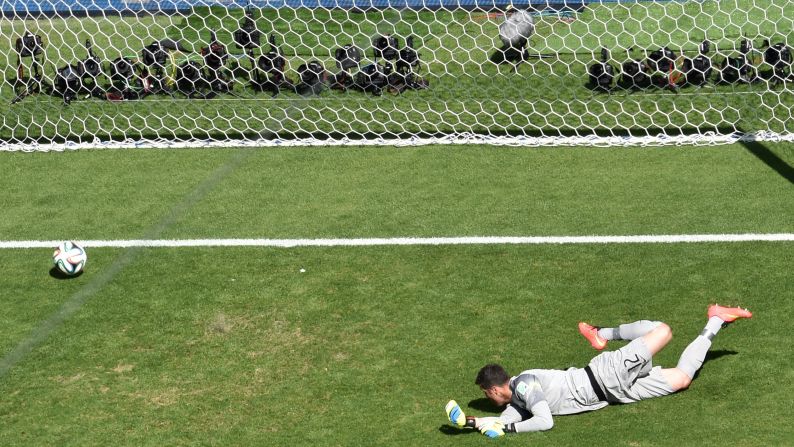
628	375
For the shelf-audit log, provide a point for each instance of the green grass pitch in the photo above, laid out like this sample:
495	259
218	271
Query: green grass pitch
237	346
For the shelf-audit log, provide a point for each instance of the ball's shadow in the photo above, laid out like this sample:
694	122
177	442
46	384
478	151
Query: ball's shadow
57	274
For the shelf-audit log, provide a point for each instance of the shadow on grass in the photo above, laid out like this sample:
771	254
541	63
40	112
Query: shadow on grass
770	159
483	404
455	431
713	355
57	274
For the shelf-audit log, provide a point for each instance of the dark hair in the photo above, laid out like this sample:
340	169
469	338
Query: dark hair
490	376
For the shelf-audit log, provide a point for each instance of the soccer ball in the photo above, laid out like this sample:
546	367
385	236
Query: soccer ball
69	257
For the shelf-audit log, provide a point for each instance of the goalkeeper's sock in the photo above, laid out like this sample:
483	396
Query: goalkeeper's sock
628	331
693	356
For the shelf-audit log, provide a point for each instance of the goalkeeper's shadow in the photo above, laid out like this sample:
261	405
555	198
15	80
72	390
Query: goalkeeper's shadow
713	355
483	404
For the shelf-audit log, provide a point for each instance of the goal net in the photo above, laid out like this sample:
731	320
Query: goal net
171	73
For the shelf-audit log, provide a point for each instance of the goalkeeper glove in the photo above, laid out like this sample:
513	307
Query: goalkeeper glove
493	429
456	415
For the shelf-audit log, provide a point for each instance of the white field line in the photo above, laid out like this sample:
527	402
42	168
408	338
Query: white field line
698	139
472	240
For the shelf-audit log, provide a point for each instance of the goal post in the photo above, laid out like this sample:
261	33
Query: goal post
203	73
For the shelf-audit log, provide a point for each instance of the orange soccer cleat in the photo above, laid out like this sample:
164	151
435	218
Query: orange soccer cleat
728	314
591	334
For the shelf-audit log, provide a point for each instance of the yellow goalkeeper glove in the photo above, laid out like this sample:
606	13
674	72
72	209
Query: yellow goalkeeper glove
493	429
457	417
455	414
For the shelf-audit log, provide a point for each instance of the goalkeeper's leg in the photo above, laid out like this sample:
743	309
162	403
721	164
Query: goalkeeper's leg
599	336
693	356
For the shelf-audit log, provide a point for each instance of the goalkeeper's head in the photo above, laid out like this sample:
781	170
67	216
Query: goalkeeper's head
494	381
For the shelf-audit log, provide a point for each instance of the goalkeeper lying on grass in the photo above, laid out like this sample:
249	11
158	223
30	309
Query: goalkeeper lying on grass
623	376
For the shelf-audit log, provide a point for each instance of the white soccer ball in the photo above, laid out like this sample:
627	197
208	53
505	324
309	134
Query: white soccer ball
69	257
517	27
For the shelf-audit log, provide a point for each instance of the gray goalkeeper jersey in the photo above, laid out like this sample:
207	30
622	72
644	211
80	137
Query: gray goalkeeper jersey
566	392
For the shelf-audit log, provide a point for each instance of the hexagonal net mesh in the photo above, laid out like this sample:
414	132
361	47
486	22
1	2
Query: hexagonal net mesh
93	73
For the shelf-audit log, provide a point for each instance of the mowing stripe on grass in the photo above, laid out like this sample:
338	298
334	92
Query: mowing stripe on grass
73	304
471	240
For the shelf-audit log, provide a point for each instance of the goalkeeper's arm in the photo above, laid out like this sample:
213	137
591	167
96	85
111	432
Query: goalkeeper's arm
510	421
514	421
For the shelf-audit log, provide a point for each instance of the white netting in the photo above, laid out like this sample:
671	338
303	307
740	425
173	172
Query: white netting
140	73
